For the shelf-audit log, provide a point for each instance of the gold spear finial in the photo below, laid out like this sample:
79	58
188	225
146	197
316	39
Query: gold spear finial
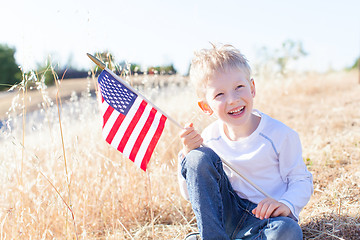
97	61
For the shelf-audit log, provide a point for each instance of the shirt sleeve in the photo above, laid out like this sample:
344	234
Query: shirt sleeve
294	172
181	179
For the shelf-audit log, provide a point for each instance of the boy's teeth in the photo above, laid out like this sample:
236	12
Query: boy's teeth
237	111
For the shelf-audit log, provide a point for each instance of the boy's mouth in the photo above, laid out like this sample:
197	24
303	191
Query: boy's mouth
237	111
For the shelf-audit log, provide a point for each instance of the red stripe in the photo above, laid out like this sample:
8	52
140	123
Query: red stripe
142	134
131	126
107	114
153	143
115	128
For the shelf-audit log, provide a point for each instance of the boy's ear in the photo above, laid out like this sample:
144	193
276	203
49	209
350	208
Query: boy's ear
252	86
205	107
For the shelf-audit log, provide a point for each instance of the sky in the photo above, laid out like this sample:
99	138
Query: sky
156	32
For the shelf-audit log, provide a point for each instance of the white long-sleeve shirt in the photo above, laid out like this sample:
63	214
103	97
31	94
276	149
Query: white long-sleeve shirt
271	157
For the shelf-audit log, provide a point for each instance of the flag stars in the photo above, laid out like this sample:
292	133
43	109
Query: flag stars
115	93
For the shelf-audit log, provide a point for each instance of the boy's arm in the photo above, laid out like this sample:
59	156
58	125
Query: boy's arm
294	172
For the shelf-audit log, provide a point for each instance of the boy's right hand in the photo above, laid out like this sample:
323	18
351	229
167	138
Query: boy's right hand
190	138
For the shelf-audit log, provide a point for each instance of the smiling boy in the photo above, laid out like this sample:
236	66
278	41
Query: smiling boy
265	150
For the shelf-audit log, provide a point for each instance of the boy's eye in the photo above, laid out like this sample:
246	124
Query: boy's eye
218	95
240	86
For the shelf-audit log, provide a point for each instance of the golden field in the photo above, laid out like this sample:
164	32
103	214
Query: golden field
60	180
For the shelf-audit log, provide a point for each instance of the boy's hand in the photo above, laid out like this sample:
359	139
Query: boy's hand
270	208
190	138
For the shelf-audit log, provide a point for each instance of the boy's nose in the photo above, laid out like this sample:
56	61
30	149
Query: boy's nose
233	98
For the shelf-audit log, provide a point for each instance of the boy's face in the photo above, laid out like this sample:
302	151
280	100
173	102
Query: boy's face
229	95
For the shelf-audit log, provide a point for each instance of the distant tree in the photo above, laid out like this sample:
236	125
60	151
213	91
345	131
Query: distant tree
188	70
278	60
355	65
169	69
135	68
126	68
163	70
10	74
289	51
45	73
107	58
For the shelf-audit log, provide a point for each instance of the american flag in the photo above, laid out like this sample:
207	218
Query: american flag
130	124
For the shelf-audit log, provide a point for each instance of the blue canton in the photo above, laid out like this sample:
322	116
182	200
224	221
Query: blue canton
115	93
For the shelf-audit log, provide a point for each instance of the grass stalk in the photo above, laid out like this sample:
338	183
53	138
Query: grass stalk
125	229
150	205
24	93
63	200
59	108
46	104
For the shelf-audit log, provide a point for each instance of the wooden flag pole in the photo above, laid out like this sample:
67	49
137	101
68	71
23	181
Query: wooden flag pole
103	66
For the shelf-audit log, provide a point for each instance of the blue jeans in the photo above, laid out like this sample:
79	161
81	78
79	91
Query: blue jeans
219	211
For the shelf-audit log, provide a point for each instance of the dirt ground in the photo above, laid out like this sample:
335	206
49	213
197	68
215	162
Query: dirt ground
34	97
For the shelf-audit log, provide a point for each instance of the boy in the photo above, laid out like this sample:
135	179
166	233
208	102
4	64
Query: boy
263	149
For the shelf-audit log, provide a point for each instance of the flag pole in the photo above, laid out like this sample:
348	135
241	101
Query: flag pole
99	63
103	67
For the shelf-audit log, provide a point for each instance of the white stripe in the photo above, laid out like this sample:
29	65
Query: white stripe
150	134
110	122
104	106
124	125
134	135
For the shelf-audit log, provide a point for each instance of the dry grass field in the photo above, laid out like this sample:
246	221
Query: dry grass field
60	180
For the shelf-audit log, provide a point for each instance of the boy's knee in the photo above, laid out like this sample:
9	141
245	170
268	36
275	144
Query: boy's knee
285	228
200	160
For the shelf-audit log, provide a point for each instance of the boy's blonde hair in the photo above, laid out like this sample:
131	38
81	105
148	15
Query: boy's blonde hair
207	62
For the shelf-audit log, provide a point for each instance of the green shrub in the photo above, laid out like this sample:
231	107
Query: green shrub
10	73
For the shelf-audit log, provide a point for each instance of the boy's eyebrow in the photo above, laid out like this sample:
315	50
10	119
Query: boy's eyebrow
214	89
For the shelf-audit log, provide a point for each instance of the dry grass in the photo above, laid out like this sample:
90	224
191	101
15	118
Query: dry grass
111	199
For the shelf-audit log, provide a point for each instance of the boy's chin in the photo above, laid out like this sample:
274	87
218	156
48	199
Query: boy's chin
236	122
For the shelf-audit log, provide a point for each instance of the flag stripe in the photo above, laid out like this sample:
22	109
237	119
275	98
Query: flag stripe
107	114
137	130
115	128
109	123
131	126
127	120
153	143
141	153
104	105
142	134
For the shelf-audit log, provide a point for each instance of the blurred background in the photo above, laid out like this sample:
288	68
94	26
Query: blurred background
320	35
